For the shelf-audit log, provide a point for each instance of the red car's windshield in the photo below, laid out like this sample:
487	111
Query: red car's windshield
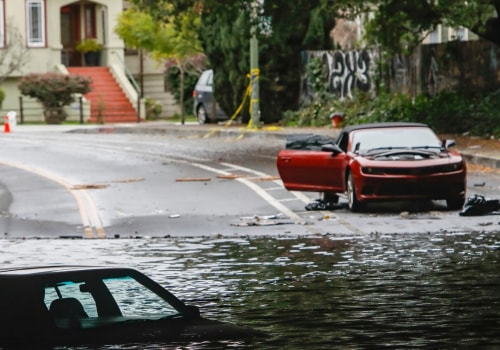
412	137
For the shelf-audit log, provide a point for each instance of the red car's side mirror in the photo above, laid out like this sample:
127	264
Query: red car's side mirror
335	149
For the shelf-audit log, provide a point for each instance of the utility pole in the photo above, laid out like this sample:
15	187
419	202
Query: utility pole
254	64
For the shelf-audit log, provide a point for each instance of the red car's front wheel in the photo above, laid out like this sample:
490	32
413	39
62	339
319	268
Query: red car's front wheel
353	202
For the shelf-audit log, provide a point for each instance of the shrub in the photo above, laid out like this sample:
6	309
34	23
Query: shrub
153	109
88	45
447	112
54	91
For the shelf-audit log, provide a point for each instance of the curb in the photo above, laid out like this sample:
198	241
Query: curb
486	161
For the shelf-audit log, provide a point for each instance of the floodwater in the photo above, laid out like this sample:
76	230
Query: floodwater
439	291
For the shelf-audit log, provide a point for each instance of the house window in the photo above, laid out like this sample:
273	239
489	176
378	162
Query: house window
35	10
2	26
90	31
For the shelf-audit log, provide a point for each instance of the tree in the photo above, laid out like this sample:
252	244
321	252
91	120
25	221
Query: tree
296	26
399	25
225	31
15	54
163	39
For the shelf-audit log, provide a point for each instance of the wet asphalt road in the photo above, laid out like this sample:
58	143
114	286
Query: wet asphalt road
108	185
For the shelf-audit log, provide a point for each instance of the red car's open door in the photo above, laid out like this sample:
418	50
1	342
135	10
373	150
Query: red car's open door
312	170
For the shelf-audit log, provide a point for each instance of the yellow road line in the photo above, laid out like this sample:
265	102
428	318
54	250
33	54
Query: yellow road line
86	206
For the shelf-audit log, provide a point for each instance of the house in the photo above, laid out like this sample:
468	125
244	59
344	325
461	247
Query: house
49	31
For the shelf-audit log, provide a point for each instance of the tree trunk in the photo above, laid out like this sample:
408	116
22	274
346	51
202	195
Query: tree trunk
181	93
54	115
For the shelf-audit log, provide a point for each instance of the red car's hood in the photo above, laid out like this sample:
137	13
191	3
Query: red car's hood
410	158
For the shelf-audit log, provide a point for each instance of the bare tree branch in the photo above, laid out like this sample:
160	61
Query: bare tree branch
15	54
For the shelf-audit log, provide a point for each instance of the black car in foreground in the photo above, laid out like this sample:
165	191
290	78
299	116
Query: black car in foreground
75	305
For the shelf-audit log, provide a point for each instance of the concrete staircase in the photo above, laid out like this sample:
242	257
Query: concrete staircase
106	97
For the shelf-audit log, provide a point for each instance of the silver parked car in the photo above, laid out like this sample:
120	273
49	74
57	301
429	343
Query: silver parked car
203	98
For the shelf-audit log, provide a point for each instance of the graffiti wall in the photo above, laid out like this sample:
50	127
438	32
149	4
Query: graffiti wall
466	67
344	72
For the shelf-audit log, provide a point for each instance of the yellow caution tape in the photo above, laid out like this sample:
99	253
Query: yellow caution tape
254	74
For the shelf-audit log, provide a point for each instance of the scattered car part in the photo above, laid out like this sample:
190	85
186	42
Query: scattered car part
477	205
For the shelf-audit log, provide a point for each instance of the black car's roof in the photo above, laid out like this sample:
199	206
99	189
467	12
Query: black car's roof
53	269
350	128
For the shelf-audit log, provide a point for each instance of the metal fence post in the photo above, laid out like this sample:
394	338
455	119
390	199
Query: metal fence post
81	109
21	110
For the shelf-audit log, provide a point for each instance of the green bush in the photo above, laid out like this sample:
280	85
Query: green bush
54	90
88	45
153	109
448	112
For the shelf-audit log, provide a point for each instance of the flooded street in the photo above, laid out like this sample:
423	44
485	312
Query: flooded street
401	291
400	278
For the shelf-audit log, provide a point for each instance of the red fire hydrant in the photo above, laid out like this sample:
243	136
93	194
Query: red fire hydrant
337	118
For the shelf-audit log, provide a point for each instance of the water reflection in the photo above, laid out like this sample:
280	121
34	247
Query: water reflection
320	292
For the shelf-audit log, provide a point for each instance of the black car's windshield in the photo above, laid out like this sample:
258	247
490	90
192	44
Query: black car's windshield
384	139
95	302
135	300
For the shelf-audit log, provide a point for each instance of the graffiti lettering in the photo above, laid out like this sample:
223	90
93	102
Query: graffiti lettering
346	72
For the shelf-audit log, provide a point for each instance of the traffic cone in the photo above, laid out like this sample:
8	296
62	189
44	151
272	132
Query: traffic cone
6	126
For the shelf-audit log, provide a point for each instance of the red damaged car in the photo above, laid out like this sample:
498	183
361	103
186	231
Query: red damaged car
381	161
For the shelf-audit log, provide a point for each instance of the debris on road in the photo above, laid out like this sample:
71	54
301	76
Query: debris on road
137	179
89	187
320	204
188	179
267	178
479	205
266	220
228	177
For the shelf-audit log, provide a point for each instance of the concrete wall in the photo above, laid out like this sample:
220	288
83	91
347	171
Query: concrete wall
465	66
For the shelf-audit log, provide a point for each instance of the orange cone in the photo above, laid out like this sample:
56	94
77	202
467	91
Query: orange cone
6	126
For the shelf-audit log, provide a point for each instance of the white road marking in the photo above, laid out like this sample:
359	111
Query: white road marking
257	189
